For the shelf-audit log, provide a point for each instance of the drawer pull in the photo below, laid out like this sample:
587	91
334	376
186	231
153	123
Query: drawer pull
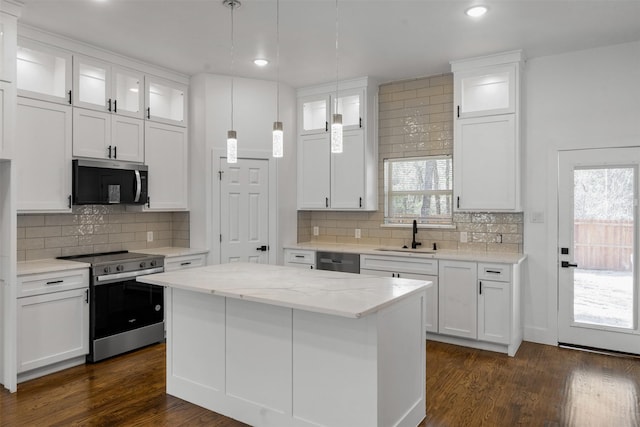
494	271
186	263
299	256
55	282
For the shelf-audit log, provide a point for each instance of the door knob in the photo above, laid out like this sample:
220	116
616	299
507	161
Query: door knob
567	264
262	248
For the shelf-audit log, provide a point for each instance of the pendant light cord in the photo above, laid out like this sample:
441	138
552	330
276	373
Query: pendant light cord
232	6
277	60
337	103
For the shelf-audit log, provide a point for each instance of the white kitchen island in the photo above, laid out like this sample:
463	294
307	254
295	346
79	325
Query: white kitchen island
281	346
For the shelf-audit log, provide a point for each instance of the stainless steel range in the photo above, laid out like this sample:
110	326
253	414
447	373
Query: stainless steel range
124	314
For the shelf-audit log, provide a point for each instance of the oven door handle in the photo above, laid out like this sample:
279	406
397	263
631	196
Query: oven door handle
128	275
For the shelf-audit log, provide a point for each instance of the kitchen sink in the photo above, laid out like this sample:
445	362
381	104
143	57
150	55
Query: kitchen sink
415	251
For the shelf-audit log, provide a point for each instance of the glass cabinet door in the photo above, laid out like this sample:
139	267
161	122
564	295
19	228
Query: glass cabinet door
166	101
43	72
315	115
350	104
92	84
486	92
128	92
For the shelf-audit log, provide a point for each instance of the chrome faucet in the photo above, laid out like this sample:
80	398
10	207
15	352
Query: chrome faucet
415	244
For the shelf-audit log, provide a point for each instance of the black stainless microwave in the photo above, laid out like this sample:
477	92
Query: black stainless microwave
98	182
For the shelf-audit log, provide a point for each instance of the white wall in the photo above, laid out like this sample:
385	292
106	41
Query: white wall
254	103
583	99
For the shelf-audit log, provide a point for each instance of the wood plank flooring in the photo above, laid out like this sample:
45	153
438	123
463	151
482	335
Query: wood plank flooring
541	386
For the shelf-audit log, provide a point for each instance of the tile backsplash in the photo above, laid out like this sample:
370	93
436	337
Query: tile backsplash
415	119
98	228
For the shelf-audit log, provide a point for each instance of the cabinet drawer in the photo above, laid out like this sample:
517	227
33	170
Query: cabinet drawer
44	283
299	257
185	261
399	264
497	272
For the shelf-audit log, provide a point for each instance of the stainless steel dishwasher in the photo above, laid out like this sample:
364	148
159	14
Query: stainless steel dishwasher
338	261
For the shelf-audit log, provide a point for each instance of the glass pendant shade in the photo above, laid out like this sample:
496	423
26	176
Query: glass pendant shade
336	134
278	140
232	147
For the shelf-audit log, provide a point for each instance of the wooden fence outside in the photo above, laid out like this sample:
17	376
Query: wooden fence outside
604	245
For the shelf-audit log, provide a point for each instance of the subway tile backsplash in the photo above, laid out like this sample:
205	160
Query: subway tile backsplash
98	228
415	119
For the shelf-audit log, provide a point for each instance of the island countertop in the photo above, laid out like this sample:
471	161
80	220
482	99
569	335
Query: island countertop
328	292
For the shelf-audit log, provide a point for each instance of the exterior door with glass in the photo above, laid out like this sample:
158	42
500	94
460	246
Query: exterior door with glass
598	249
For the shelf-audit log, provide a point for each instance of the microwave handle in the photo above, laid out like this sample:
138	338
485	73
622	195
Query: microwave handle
138	186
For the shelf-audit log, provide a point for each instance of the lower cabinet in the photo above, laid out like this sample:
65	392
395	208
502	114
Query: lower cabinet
300	258
458	302
408	268
53	327
182	262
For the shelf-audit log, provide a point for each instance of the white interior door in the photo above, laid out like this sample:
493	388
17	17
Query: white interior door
244	211
598	249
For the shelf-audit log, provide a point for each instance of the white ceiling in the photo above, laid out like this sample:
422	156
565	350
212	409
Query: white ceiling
390	40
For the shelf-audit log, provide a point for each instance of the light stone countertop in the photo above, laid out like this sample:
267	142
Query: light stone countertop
48	265
172	251
497	257
328	292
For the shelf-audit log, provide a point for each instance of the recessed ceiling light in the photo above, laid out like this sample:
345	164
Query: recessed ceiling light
260	62
476	11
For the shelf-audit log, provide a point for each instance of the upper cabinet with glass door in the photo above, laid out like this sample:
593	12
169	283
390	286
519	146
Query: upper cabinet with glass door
44	72
166	101
316	115
101	86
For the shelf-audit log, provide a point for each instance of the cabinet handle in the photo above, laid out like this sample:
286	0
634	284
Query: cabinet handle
458	111
148	202
69	201
493	271
311	267
326	126
393	274
481	287
185	263
360	201
109	105
398	275
69	97
115	105
55	282
109	151
299	256
115	151
458	203
326	202
86	296
361	122
148	112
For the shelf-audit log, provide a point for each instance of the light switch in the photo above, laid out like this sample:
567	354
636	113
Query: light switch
463	237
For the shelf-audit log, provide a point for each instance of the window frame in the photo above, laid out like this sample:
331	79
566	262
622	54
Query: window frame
434	221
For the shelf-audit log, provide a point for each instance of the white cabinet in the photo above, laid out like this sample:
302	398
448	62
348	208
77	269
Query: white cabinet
458	302
42	153
408	268
101	135
166	156
486	148
53	322
300	258
44	72
184	261
7	111
348	180
166	101
101	86
494	303
8	23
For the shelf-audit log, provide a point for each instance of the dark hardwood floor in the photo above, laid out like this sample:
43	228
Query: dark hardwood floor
541	386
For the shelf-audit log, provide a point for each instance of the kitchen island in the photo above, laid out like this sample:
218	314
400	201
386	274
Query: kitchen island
280	346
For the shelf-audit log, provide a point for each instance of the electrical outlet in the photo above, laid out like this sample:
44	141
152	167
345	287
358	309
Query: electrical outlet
149	236
358	235
463	237
316	230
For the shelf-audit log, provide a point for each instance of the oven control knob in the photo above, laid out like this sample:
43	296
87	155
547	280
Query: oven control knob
119	267
107	269
153	263
143	265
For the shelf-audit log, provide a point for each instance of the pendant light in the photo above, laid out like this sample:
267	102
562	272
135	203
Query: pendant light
232	138
336	122
278	137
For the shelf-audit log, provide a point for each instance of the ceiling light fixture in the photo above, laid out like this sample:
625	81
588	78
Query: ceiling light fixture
260	62
336	122
232	136
278	137
476	11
